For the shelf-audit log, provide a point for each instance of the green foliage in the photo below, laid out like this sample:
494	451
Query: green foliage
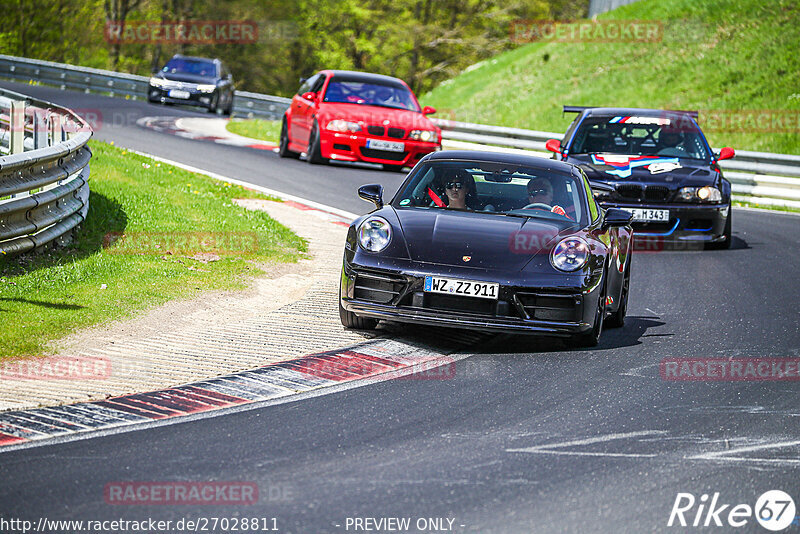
716	55
421	41
45	296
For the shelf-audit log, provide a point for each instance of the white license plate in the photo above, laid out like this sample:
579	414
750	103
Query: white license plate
177	93
391	146
465	288
648	215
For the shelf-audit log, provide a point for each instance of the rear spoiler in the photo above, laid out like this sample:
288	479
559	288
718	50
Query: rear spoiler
579	109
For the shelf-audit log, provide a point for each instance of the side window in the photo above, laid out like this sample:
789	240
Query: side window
594	211
317	87
570	130
306	87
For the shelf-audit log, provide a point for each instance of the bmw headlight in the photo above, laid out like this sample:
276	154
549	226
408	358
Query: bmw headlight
339	125
570	254
374	234
700	194
422	135
157	82
206	88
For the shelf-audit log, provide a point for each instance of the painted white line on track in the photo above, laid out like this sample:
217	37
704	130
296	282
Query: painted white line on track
730	455
267	191
549	448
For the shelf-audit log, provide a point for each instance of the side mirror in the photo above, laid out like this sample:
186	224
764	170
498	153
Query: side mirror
302	79
309	95
427	110
553	145
372	193
616	217
726	153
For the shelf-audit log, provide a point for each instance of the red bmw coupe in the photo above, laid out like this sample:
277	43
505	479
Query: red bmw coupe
357	116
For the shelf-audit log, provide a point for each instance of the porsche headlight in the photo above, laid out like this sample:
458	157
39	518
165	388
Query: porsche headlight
157	82
422	135
700	194
570	254
339	125
374	234
206	88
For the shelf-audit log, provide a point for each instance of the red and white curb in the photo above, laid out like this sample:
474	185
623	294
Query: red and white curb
178	126
379	360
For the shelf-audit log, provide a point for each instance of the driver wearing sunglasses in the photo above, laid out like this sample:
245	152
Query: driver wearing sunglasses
540	196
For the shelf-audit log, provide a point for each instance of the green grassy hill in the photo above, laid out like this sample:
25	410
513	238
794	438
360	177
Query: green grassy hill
719	55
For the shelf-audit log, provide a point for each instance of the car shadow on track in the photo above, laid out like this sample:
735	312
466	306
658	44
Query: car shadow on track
629	335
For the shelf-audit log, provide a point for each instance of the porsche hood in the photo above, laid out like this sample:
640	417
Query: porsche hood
487	241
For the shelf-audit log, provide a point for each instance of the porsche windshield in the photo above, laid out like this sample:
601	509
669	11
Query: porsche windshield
667	135
499	188
372	94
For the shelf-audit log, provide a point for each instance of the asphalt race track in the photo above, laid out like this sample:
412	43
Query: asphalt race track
526	435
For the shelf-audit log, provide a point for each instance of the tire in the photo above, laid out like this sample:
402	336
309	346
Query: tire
314	155
617	319
351	320
393	168
212	106
283	146
592	338
725	243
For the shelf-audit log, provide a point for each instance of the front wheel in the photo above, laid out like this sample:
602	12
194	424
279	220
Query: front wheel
212	106
592	337
617	319
314	155
283	147
351	320
726	242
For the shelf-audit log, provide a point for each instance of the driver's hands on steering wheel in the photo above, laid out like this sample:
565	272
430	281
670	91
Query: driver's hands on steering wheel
538	206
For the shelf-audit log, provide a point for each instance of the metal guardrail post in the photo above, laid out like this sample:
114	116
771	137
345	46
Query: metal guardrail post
16	125
39	128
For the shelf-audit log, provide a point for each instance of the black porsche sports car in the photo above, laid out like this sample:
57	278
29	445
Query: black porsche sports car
194	81
489	241
658	165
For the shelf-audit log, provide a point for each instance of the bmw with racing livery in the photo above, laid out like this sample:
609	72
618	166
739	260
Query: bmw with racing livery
658	165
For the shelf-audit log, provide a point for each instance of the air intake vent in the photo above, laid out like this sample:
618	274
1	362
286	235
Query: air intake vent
375	130
377	287
656	193
630	191
397	133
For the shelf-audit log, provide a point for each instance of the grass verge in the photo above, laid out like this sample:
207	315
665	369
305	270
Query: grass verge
261	129
745	204
731	56
181	235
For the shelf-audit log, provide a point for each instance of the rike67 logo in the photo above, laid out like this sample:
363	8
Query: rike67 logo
774	510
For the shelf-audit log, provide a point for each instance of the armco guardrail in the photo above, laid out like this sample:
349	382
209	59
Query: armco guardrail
116	83
44	173
758	177
761	177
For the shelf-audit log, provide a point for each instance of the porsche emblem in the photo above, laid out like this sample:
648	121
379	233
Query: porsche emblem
466	258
